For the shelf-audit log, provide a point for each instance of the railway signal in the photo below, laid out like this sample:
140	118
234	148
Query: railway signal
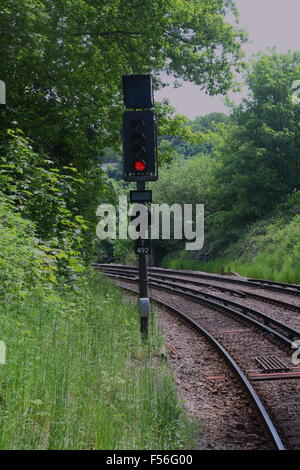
138	91
139	146
140	165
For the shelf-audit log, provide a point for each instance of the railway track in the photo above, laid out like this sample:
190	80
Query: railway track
279	330
266	363
282	331
290	289
280	287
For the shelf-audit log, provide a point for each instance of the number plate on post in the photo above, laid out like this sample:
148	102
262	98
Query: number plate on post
142	247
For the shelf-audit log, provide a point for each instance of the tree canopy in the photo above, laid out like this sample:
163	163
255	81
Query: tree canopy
62	62
252	161
260	150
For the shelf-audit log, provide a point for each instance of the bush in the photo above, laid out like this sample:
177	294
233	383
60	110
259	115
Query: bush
42	194
24	259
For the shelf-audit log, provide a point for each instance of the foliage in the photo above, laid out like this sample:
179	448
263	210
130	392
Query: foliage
259	152
251	165
77	375
123	251
62	63
42	193
62	203
270	250
24	260
187	182
196	137
61	387
256	153
181	259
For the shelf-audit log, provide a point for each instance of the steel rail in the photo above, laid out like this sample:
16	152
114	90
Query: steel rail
292	289
284	333
239	293
276	283
234	292
232	363
232	307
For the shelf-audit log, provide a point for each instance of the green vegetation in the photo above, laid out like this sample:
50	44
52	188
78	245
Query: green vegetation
248	178
63	61
271	250
181	260
78	375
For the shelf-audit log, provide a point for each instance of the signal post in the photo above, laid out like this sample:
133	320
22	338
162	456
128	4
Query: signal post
140	165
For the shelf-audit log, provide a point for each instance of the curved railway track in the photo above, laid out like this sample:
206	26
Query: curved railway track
278	287
271	366
282	331
291	289
277	329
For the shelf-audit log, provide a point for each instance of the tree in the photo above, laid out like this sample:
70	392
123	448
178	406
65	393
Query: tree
184	182
260	149
206	126
63	60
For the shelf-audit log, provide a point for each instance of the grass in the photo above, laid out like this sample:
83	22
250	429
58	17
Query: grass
270	250
79	377
77	374
181	260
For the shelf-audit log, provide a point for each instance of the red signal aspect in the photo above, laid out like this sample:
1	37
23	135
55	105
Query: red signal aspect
139	165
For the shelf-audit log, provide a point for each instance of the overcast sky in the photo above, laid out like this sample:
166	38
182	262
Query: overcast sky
269	23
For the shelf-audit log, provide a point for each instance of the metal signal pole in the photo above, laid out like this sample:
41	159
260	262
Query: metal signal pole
143	281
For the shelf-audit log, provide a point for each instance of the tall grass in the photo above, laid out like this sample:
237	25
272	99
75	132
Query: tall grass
79	377
77	374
